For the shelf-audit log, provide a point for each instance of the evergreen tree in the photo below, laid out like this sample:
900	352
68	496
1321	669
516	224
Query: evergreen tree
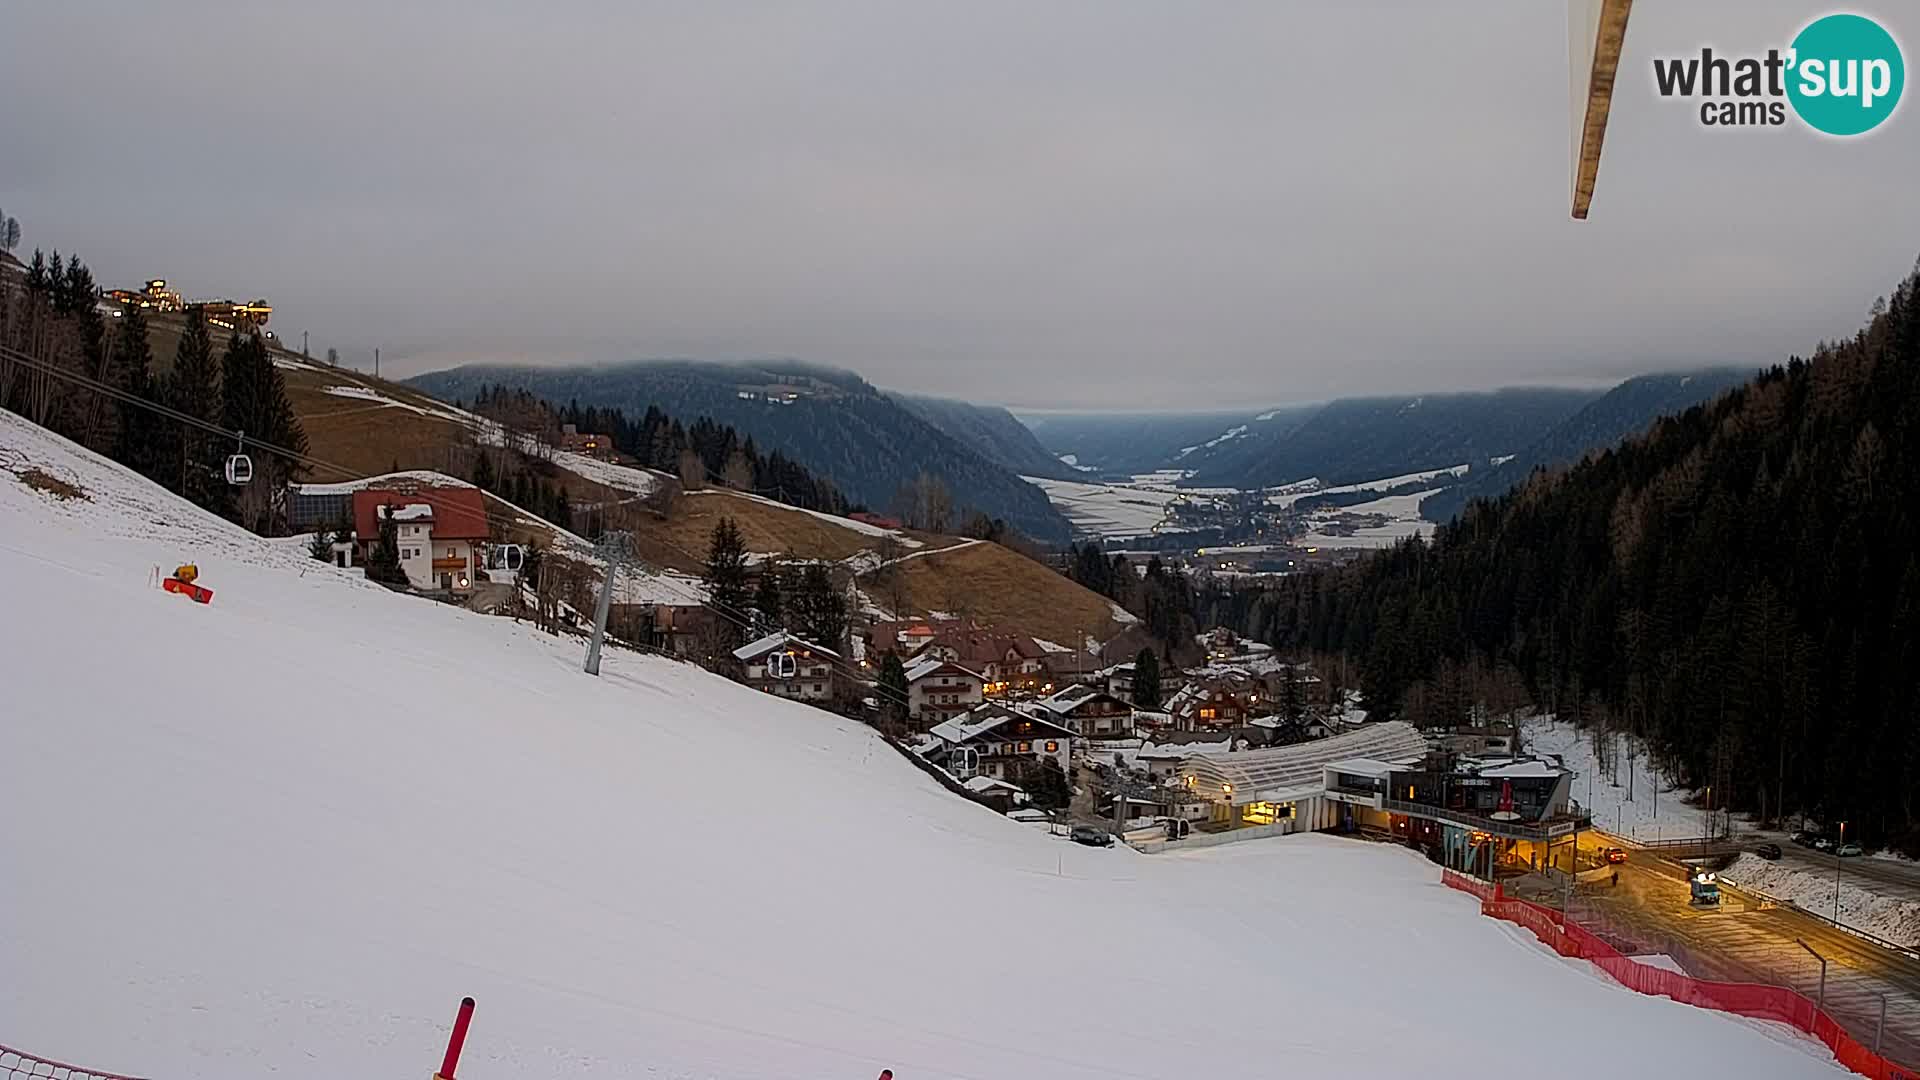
562	509
1046	784
892	689
483	471
726	580
1292	708
321	546
141	442
198	460
254	402
767	602
383	565
1146	680
820	609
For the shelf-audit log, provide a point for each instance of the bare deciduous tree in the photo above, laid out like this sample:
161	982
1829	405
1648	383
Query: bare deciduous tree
693	471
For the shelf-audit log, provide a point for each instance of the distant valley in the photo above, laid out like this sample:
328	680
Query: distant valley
869	443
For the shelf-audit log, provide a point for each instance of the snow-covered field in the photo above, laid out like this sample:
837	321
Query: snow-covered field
1293	493
1636	818
284	833
1109	509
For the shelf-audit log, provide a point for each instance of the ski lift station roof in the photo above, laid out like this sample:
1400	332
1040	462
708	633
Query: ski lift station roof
1259	775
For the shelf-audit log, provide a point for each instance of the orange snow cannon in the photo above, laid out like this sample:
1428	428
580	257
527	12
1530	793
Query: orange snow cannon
182	581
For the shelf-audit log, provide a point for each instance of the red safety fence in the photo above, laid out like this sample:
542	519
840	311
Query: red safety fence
19	1065
1456	880
1776	1003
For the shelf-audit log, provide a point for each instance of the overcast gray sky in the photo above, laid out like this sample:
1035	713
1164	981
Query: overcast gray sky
1075	203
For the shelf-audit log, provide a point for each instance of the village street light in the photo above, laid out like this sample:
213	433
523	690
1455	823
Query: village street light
1836	872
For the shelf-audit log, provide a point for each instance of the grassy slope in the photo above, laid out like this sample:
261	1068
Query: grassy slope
986	581
1002	588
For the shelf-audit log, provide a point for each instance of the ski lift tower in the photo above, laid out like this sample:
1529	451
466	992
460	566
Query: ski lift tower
1596	31
616	550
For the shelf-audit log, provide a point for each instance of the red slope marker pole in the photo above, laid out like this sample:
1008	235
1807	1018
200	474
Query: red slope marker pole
456	1041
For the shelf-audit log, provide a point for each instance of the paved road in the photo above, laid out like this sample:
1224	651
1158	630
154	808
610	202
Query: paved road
1744	941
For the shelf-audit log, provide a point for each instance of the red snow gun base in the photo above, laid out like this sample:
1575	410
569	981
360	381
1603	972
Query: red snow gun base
199	594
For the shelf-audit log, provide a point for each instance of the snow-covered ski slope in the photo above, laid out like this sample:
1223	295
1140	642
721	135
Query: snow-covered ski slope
282	834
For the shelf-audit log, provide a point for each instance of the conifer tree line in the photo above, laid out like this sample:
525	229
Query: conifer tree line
701	454
1162	599
52	316
1739	586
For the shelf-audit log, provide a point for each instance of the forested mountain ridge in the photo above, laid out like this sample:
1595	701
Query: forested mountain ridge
1625	410
833	422
991	431
1740	586
1358	439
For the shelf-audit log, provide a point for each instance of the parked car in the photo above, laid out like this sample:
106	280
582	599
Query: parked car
1821	843
1849	850
1804	839
1087	834
1769	852
1614	854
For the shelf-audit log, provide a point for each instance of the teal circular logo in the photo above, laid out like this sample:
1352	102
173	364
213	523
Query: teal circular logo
1845	74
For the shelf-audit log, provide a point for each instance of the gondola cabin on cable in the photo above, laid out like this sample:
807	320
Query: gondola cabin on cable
239	466
789	666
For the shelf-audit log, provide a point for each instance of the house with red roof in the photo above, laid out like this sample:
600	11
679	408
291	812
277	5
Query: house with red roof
441	531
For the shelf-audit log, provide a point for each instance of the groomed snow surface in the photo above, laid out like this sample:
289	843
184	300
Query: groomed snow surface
283	834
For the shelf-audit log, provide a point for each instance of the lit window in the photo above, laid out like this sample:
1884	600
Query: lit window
1052	747
1026	748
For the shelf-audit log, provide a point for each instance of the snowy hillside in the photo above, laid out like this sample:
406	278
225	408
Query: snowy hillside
284	833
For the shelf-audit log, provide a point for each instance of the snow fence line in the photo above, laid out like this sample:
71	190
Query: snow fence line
1777	1003
20	1065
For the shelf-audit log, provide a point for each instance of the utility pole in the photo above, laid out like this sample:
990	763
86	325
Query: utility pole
376	362
614	547
303	343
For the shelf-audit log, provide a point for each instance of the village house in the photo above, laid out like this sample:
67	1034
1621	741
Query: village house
1080	666
791	667
995	741
938	690
1120	680
1217	698
1007	662
575	441
1088	712
997	794
441	532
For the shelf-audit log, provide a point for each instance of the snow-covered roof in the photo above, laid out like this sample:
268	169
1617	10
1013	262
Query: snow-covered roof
775	640
983	719
1067	697
981	784
411	512
1303	764
1369	767
407	476
920	669
1522	769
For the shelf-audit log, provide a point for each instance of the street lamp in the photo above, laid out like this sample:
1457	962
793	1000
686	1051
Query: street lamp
1836	872
1820	1004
